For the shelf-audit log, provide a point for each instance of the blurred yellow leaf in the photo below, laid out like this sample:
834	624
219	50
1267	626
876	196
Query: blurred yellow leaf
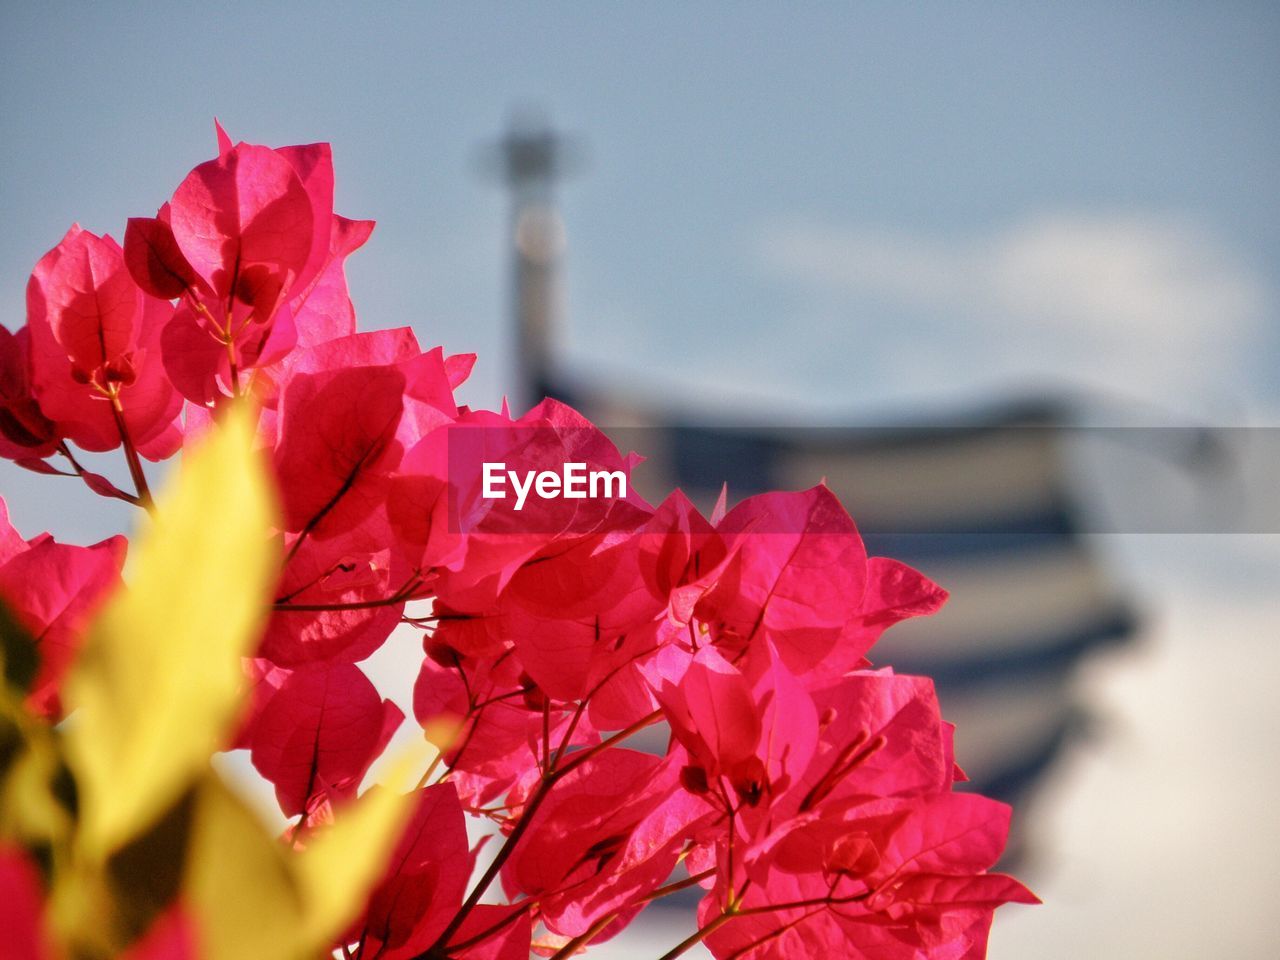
340	866
253	897
154	692
239	884
31	809
159	680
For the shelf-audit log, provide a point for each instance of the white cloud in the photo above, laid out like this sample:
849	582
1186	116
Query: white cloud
1137	304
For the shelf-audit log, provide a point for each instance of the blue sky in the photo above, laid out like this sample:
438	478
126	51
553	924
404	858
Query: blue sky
838	208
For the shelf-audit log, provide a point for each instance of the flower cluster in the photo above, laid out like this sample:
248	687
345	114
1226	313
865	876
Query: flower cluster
808	795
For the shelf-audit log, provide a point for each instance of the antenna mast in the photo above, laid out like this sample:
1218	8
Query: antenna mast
529	159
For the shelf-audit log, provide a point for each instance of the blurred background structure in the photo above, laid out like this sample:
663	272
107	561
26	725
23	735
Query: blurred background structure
981	500
874	216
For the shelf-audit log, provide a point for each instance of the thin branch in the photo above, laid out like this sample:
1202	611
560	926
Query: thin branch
580	941
522	825
131	454
234	367
695	938
473	717
403	595
78	470
569	731
677	885
431	768
491	873
71	458
546	735
702	933
499	698
582	756
827	901
518	910
339	566
323	512
731	899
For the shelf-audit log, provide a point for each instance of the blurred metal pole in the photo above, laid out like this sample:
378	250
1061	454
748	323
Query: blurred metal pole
530	159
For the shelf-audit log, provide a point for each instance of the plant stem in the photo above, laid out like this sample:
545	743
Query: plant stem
491	874
370	452
522	825
578	759
235	369
131	454
546	736
71	458
677	885
695	938
582	939
486	934
402	595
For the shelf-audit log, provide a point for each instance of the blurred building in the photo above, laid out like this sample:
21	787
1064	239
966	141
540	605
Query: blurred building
980	500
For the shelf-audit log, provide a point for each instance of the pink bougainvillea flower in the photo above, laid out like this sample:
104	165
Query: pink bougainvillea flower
341	427
25	432
902	879
498	538
22	908
53	589
336	599
748	740
319	734
250	246
425	881
337	446
578	859
339	432
867	850
808	796
797	577
95	350
711	711
562	577
894	592
632	866
880	735
322	309
245	227
800	577
172	936
373	348
429	379
497	712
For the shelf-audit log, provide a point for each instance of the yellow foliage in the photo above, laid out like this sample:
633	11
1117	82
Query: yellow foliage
30	813
240	884
158	683
155	692
353	852
255	898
